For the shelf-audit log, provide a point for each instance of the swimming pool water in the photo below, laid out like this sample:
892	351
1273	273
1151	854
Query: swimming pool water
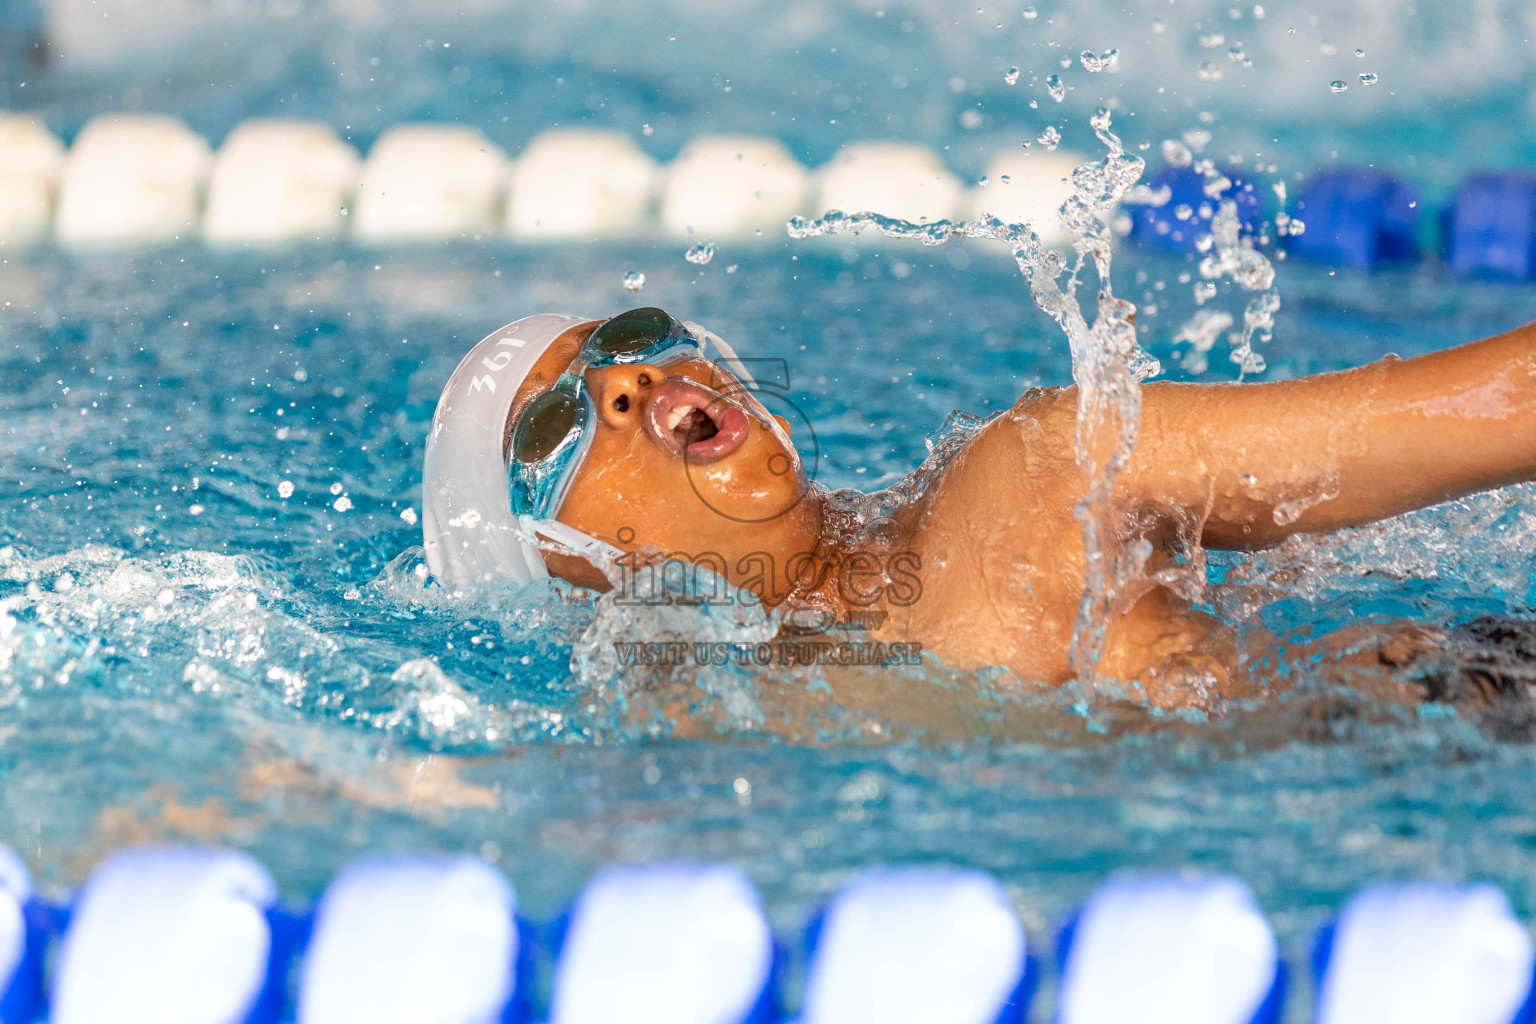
186	654
190	650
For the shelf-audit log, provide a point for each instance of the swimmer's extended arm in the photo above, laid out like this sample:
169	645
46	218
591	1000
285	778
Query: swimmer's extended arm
1382	439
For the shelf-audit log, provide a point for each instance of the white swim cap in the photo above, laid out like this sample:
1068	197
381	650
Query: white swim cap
467	525
469	530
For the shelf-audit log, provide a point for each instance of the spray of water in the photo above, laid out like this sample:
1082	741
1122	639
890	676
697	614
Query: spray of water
1107	362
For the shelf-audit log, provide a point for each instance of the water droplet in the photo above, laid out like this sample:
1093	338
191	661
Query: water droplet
634	280
1298	225
1030	14
1066	60
197	510
646	129
1209	72
1183	212
1210	42
1005	179
1368	78
1099	61
285	489
1235	54
342	503
981	182
1176	154
1056	89
1337	86
336	488
1247	480
1050	138
1158	27
1012	77
700	254
409	516
1024	143
1359	53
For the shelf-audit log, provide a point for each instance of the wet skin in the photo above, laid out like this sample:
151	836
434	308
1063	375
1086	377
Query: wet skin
1235	466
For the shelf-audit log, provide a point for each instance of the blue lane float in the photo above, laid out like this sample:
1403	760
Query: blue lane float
1361	218
24	928
192	936
1426	953
1490	228
1178	224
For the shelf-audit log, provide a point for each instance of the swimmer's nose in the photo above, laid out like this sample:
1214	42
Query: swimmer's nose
619	391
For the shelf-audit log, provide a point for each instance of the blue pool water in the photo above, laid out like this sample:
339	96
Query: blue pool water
187	653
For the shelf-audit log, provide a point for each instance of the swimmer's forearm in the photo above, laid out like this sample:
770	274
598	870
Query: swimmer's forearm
1381	439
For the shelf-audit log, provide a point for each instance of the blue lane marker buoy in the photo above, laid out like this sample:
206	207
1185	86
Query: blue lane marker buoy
1356	218
1491	227
1178	224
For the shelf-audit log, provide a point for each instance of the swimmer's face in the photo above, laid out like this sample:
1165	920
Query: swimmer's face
681	460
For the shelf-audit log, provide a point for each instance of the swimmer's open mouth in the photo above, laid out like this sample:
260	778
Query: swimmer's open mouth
694	422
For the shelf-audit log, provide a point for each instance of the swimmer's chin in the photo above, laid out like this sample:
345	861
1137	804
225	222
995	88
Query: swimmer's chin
695	423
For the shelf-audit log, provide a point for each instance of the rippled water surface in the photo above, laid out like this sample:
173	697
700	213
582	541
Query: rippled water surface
187	653
213	626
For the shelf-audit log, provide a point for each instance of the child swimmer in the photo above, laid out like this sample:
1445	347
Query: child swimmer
624	441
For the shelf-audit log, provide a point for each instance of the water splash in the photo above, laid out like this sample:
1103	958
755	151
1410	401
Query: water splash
1050	138
1108	363
1054	86
1099	61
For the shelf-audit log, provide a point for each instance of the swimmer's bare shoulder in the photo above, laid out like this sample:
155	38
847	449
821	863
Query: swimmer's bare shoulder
1000	551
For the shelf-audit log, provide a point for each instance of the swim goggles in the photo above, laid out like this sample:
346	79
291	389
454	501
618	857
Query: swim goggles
550	438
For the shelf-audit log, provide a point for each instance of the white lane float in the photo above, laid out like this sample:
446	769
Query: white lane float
896	179
725	186
412	940
173	935
1028	186
579	183
430	181
278	180
131	179
31	159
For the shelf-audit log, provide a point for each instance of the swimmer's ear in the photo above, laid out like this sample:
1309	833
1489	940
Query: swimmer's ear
782	422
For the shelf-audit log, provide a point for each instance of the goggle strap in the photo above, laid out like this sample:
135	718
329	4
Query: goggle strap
567	538
726	352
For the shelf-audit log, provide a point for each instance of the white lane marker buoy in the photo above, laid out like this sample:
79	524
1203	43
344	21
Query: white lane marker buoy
31	159
722	186
278	181
430	181
579	183
895	179
131	179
